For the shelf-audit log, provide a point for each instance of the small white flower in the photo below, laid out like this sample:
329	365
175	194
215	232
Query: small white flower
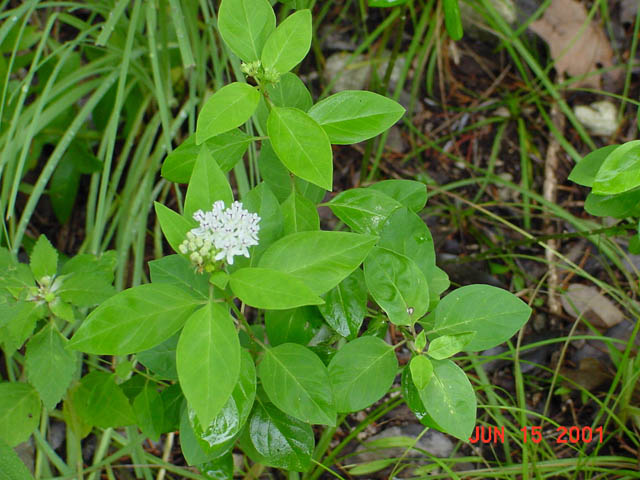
222	234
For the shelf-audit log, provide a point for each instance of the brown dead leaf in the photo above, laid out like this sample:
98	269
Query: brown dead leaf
592	305
577	46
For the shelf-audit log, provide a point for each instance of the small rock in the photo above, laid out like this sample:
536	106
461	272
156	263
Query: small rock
434	442
595	307
599	117
26	451
355	76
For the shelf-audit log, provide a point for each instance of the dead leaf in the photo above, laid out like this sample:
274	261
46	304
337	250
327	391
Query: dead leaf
592	305
577	46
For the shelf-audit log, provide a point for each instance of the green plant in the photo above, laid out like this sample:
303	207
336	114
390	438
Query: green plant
308	291
322	300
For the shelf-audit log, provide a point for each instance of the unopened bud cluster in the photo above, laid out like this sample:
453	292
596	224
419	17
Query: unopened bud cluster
222	234
256	70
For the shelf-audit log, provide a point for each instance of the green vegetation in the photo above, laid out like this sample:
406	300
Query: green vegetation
108	108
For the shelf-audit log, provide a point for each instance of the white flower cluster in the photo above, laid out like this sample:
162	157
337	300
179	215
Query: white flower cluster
223	233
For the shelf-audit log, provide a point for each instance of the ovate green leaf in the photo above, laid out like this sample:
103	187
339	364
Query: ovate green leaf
208	360
363	209
397	285
620	171
208	184
493	313
289	43
450	400
584	173
174	226
448	345
19	412
101	402
280	440
297	382
49	366
353	116
271	289
44	259
226	109
135	320
245	26
302	145
321	259
362	372
421	371
346	305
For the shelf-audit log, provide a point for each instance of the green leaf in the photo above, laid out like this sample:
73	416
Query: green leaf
208	184
397	285
271	289
226	149
420	341
406	233
245	26
218	469
85	289
620	205
584	173
362	372
421	371
19	412
100	402
262	201
452	19
448	345
620	171
290	91
409	193
289	43
493	313
208	360
161	359
411	396
44	259
174	226
149	411
352	116
86	263
346	305
274	173
228	108
191	448
220	435
172	400
321	259
363	209
62	309
302	145
290	326
450	400
49	366
297	382
135	320
23	317
177	270
299	214
13	468
280	440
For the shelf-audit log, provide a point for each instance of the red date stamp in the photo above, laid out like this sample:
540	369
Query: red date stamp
533	434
